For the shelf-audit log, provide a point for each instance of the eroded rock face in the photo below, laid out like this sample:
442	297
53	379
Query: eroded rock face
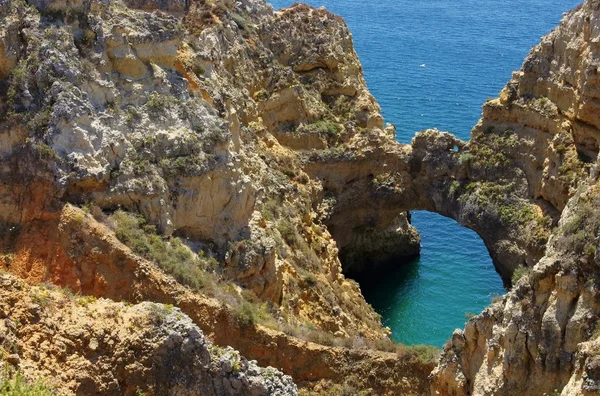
85	346
218	123
175	113
88	259
375	178
542	336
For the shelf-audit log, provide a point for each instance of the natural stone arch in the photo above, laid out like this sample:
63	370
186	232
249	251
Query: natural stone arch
369	190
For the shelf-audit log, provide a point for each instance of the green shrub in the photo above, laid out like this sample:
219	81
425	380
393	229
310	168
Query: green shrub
310	279
578	234
519	272
246	314
40	121
491	148
133	114
159	312
287	231
425	354
43	150
320	337
158	103
454	187
465	158
240	21
171	255
17	385
327	127
261	95
518	212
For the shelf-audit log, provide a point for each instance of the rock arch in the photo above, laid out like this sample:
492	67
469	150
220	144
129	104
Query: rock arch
371	188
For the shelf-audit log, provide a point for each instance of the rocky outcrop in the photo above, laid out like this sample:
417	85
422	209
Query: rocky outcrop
542	337
374	180
88	259
175	115
192	118
81	345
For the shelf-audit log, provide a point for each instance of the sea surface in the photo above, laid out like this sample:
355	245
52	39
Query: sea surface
431	64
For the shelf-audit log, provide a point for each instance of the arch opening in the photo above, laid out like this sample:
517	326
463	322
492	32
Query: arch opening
423	299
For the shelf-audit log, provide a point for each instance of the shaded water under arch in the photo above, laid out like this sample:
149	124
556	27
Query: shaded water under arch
425	299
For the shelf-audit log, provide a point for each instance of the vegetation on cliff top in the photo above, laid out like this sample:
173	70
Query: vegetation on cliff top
510	211
579	234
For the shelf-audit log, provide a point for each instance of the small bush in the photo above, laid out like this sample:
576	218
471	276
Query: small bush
40	121
454	187
18	385
240	21
327	127
42	297
270	210
79	217
158	103
320	337
310	279
519	272
578	234
465	158
261	95
45	152
159	312
425	354
171	255
133	114
246	314
287	231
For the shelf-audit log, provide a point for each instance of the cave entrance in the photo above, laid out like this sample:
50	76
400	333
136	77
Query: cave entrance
425	298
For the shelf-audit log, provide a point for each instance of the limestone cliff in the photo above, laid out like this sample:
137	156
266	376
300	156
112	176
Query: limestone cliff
189	116
81	345
225	157
195	117
542	337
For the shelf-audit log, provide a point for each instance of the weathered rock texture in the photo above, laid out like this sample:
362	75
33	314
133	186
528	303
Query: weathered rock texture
88	259
194	116
183	117
85	346
252	136
542	337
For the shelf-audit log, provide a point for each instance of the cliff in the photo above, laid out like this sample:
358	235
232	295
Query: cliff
228	160
174	115
84	345
542	337
178	129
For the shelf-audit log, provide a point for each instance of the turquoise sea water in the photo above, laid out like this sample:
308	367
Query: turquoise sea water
432	63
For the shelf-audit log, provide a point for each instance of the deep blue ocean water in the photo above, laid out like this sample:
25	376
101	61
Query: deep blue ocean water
432	63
